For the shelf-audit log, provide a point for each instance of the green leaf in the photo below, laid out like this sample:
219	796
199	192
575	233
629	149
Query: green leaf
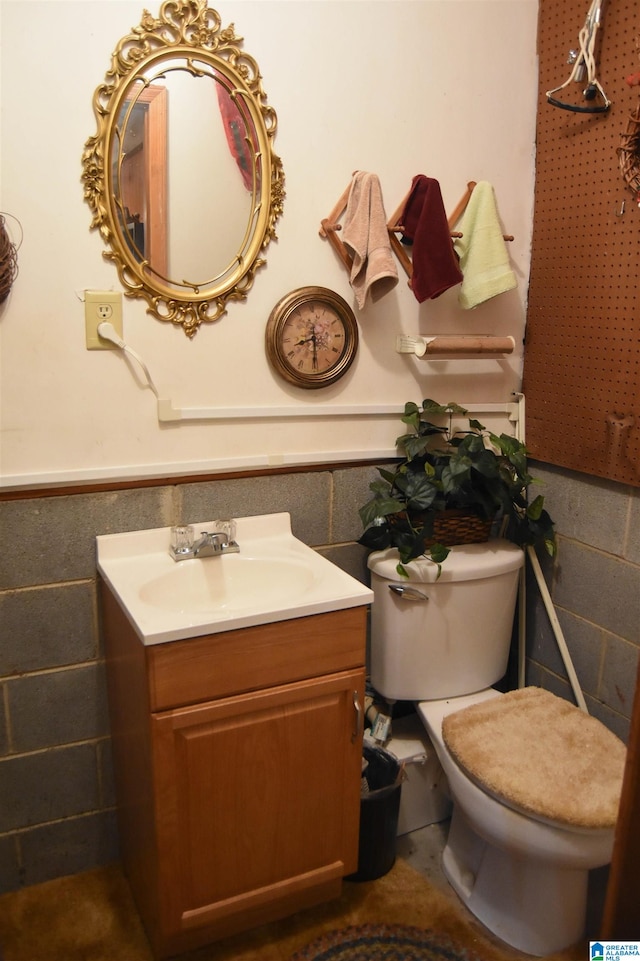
376	538
453	408
419	491
387	475
472	444
432	408
534	510
439	553
486	464
377	507
413	445
454	474
381	487
411	415
507	444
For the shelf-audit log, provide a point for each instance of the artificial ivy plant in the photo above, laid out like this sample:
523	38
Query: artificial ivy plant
470	470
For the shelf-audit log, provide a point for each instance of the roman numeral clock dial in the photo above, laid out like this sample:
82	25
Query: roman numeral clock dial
311	337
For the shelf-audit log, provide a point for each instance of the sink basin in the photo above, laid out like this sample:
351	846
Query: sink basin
226	583
274	577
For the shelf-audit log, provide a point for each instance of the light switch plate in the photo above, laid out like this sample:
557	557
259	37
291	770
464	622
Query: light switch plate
101	305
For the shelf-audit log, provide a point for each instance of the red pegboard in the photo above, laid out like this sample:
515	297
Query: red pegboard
582	357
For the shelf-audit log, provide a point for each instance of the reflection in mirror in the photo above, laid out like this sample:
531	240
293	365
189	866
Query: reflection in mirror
141	178
191	191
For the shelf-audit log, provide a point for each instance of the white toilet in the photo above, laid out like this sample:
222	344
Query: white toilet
535	782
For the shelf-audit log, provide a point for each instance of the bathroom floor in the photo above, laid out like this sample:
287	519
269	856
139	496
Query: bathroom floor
423	850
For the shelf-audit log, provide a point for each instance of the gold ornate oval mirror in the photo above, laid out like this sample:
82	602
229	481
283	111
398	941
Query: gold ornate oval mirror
181	177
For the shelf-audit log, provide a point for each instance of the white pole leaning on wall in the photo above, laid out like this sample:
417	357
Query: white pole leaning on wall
546	598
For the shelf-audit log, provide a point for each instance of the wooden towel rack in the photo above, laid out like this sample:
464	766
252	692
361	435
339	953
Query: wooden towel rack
395	227
330	226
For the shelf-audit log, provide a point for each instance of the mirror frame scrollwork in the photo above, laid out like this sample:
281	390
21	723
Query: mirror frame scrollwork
191	30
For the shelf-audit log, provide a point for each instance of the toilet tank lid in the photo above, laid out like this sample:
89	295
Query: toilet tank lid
466	562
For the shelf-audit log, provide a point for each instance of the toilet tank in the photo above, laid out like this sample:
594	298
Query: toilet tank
455	638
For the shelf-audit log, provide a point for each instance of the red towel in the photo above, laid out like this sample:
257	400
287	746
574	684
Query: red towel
435	266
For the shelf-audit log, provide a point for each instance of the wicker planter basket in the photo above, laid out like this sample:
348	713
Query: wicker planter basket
451	527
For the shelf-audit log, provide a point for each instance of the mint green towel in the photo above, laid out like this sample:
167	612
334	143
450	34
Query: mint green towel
484	259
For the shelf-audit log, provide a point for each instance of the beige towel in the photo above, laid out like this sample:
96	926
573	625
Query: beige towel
484	260
365	236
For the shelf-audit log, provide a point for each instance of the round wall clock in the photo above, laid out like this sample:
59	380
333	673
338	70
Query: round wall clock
311	337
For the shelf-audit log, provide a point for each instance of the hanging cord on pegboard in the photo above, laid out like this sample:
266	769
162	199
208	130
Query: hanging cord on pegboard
8	257
584	62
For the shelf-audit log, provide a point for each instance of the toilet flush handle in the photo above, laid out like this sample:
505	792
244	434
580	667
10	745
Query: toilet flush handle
408	593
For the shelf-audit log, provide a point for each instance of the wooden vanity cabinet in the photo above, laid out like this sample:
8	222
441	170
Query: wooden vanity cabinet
237	761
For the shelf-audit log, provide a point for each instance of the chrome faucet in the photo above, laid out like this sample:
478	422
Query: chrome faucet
209	544
214	542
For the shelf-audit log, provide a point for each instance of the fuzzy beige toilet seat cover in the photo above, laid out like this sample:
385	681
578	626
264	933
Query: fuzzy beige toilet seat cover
541	755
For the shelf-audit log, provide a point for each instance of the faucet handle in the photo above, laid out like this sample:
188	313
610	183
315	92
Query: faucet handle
227	527
182	538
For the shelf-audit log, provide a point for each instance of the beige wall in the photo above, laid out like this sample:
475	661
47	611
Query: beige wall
396	87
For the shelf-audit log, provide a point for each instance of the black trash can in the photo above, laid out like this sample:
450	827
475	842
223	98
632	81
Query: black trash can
379	808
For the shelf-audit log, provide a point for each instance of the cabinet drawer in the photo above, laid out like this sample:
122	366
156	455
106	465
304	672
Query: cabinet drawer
216	665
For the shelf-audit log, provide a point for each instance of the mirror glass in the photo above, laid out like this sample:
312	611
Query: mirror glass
182	178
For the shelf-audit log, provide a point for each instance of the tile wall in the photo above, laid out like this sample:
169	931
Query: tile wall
57	801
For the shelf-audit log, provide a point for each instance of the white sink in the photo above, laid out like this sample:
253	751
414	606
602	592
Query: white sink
208	585
274	577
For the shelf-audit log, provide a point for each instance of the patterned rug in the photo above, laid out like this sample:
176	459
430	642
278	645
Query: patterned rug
383	942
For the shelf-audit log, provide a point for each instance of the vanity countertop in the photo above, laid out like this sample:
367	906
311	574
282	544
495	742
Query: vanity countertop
274	577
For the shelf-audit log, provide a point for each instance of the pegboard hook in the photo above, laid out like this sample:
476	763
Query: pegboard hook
584	60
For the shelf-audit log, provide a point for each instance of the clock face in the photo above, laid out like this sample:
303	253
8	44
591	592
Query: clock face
311	337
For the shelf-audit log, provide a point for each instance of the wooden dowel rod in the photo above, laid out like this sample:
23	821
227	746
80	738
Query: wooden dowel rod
340	249
339	209
326	227
470	345
399	229
401	254
392	223
461	205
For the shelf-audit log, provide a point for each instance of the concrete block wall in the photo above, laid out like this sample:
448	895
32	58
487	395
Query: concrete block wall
57	804
595	587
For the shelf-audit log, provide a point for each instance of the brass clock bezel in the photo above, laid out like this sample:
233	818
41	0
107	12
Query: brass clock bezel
276	324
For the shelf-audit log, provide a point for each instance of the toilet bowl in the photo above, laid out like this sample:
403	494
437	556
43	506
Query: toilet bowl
524	876
519	866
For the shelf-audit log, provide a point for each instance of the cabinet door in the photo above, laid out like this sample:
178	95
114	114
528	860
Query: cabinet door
258	799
